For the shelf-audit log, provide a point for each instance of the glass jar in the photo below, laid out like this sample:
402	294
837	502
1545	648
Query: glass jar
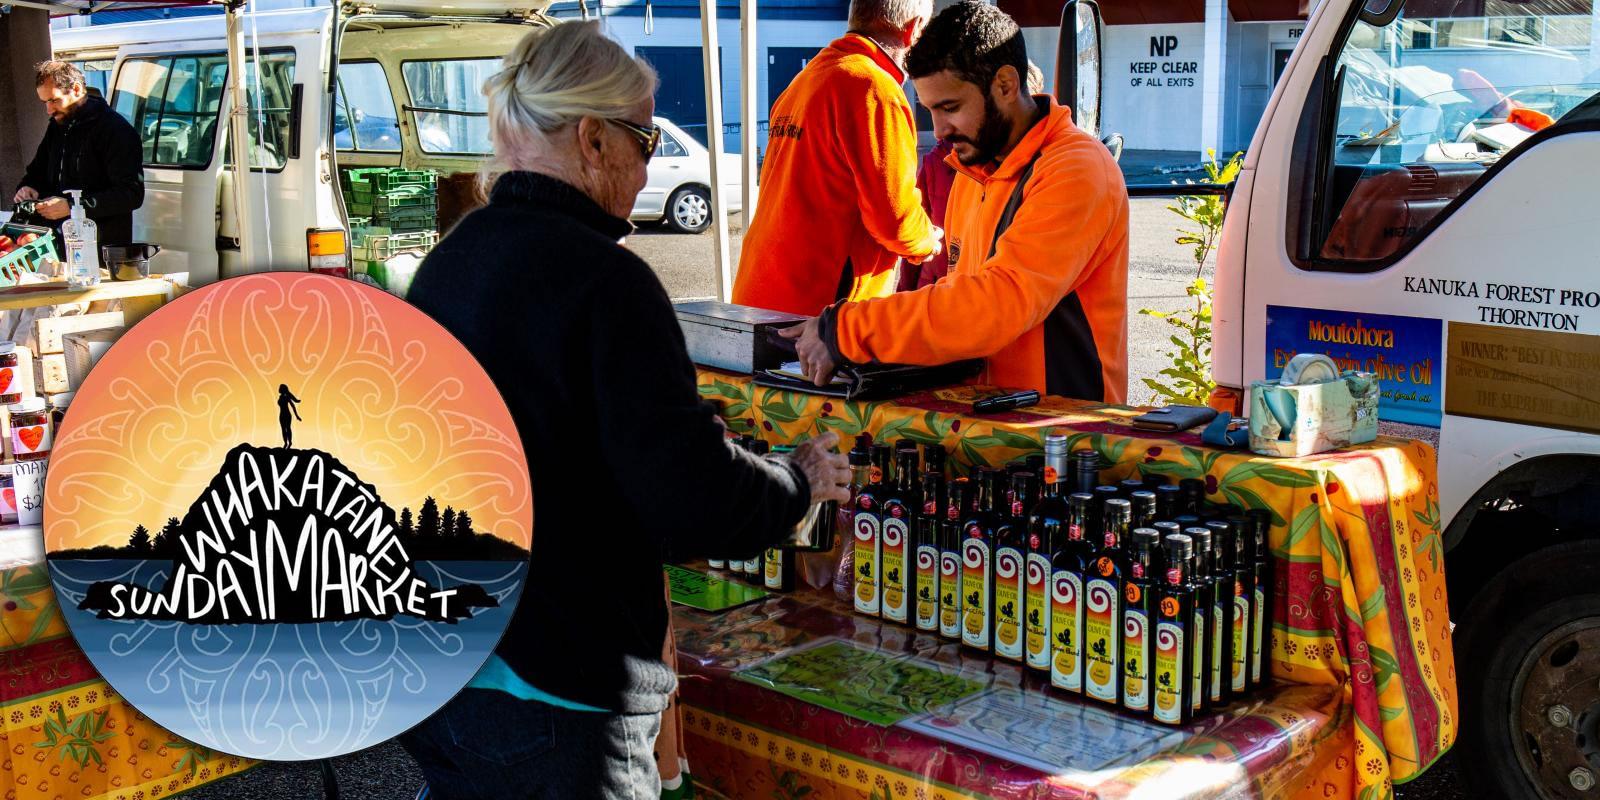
10	379
8	495
58	412
30	430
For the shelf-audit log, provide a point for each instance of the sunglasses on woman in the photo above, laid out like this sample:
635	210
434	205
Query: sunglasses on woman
649	138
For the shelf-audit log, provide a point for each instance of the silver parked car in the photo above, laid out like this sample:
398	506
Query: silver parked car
679	188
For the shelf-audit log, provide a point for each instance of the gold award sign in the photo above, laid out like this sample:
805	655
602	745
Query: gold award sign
1536	377
288	516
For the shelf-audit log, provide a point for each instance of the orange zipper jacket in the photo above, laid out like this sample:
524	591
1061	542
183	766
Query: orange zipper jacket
839	200
1048	304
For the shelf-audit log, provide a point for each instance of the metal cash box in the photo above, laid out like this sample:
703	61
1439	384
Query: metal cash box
735	338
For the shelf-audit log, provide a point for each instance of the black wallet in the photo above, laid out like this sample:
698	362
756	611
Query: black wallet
877	381
1174	418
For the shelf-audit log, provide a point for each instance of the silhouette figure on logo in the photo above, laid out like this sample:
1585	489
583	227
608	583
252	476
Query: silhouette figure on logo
286	404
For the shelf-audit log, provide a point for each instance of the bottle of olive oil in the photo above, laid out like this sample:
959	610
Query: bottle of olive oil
1138	615
1206	608
960	506
1102	621
1047	526
753	569
977	562
926	552
869	534
1174	642
1261	624
1241	557
898	516
1011	570
1220	688
1070	568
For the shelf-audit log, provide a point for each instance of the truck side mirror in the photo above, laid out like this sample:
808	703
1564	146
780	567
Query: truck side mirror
1078	63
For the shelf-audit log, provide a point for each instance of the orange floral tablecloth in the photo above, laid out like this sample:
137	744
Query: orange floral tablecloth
64	733
1360	600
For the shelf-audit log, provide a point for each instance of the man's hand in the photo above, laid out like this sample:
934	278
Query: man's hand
828	471
815	360
25	193
938	247
53	208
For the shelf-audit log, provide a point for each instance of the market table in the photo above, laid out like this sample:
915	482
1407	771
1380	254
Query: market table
1360	651
64	732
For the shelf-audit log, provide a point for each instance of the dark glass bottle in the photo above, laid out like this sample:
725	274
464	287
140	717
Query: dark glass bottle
1085	465
1244	601
930	514
754	569
1047	531
1194	495
897	558
1137	615
1206	608
933	458
1261	625
1169	499
1128	486
962	494
868	537
1102	622
1103	495
1144	508
1070	568
1175	636
1010	569
1221	688
977	562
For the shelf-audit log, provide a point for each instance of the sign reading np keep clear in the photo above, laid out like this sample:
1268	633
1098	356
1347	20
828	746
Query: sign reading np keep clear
1403	352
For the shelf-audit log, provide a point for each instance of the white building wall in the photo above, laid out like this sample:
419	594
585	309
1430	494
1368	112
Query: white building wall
1153	100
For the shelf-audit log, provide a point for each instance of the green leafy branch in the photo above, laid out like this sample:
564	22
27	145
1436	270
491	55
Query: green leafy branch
1188	379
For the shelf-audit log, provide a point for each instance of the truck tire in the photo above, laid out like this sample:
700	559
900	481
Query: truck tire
1528	657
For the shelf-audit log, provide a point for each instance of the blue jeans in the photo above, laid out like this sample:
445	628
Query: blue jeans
487	745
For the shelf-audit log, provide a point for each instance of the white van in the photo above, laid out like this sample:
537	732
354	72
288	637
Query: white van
393	84
1422	200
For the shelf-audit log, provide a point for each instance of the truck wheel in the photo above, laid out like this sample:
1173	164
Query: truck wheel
1528	654
689	210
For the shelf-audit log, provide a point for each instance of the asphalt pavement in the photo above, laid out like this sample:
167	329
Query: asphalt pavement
1159	271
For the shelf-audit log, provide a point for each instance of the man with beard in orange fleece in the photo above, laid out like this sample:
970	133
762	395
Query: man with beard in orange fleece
1037	232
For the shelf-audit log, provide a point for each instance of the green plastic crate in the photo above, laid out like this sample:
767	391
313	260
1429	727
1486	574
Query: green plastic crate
383	179
383	246
26	258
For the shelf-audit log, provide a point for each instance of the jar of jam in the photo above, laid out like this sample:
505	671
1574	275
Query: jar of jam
30	430
10	380
58	412
8	495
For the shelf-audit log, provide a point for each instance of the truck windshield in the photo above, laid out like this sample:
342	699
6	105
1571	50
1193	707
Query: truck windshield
1430	101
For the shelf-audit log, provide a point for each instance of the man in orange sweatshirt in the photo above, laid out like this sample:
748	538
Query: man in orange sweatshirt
1037	230
839	201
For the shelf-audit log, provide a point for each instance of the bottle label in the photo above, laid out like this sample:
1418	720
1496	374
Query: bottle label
975	591
1102	626
927	588
950	594
867	553
1169	672
753	566
1240	669
1051	475
1010	587
1037	607
1197	665
774	569
1136	659
1066	623
717	563
1218	646
895	572
30	439
1257	633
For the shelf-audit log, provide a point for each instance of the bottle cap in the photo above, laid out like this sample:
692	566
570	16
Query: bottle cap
1146	539
1056	444
61	399
29	405
1179	546
7	347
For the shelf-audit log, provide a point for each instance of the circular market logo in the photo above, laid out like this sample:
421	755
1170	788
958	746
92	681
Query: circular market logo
287	516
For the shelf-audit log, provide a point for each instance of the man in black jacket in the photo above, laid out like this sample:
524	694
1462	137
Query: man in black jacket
89	147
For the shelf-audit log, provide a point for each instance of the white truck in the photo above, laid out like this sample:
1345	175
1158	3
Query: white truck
1422	200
